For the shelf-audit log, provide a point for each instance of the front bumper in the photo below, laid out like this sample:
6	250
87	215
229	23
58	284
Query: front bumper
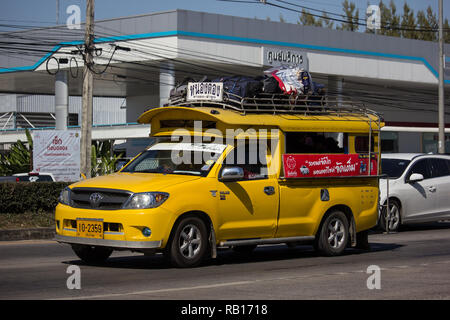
122	244
122	228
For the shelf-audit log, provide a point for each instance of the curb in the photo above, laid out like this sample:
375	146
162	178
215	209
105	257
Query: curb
27	234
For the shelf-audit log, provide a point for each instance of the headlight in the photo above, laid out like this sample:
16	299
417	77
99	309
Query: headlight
64	196
146	200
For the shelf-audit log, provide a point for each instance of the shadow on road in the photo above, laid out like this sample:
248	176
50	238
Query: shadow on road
417	227
229	257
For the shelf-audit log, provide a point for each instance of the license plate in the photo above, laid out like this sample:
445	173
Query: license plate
90	229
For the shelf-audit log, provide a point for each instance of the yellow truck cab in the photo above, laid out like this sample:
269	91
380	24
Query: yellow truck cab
233	173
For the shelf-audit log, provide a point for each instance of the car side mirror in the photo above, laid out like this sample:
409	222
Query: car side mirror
231	174
415	177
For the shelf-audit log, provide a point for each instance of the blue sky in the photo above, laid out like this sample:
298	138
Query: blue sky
43	12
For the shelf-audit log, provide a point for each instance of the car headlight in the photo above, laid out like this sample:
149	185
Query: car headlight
146	200
64	196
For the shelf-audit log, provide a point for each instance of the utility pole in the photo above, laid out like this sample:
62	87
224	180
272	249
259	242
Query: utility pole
441	143
86	112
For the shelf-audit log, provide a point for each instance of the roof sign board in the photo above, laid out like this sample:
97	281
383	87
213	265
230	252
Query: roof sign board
211	91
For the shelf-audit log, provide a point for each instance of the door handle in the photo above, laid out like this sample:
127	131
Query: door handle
432	189
269	190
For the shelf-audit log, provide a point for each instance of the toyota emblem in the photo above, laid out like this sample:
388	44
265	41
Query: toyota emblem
95	199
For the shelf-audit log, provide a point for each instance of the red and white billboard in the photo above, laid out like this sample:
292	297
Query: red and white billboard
327	165
57	152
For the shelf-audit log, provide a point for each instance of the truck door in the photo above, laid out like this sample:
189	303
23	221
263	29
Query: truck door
248	208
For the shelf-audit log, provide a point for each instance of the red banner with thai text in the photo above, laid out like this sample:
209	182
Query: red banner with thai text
328	165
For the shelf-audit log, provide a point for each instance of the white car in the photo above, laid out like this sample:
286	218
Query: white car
419	188
34	177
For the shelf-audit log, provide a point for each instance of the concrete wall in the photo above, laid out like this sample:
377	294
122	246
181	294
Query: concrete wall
136	105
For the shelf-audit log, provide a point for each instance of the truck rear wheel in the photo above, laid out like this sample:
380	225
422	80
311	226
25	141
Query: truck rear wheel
189	243
332	237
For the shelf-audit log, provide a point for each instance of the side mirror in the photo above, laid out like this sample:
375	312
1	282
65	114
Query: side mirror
231	174
415	177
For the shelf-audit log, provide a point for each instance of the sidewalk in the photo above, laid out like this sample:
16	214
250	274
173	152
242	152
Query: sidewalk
27	234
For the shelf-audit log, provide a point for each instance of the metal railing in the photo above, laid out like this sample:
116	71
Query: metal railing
283	104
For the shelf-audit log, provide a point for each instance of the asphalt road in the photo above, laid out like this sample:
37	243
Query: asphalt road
414	264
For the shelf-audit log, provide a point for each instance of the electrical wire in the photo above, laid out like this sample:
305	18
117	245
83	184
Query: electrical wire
344	21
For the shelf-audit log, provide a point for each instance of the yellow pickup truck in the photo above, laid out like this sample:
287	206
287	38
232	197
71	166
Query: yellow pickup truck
238	175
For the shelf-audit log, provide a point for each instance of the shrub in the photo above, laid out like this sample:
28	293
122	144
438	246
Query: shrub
33	197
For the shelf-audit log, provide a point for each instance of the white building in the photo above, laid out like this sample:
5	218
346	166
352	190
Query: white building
396	77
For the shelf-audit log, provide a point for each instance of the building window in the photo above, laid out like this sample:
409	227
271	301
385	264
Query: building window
430	142
316	142
389	142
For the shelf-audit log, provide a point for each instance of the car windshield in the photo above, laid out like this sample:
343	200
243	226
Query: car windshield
177	158
393	168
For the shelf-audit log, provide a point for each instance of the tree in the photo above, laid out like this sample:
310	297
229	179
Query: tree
325	21
427	23
395	21
446	33
386	17
307	19
351	17
408	23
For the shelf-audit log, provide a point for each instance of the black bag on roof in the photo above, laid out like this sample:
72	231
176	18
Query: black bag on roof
241	86
270	85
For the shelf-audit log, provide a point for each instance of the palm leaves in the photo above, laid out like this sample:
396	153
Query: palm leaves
103	160
19	158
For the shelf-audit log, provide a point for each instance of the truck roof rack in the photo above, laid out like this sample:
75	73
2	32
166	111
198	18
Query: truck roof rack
282	104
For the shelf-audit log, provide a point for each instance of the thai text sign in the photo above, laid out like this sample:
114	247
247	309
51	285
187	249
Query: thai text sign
57	152
327	165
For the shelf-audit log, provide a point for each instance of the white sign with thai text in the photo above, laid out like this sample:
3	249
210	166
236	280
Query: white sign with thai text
57	152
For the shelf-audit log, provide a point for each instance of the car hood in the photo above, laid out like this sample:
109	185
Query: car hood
135	182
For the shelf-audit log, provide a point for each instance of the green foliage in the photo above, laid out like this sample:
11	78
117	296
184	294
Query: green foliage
307	19
34	197
351	16
427	21
19	158
423	26
103	160
408	23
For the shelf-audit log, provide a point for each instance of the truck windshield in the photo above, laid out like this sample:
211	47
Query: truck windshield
177	158
394	168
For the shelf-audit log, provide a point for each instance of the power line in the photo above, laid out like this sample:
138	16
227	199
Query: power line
385	27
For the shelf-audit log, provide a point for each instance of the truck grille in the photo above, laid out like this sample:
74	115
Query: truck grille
98	198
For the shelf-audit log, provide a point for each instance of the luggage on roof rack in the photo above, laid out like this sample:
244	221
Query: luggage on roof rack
311	104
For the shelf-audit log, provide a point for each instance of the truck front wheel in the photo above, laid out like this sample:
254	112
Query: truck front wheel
189	243
332	238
